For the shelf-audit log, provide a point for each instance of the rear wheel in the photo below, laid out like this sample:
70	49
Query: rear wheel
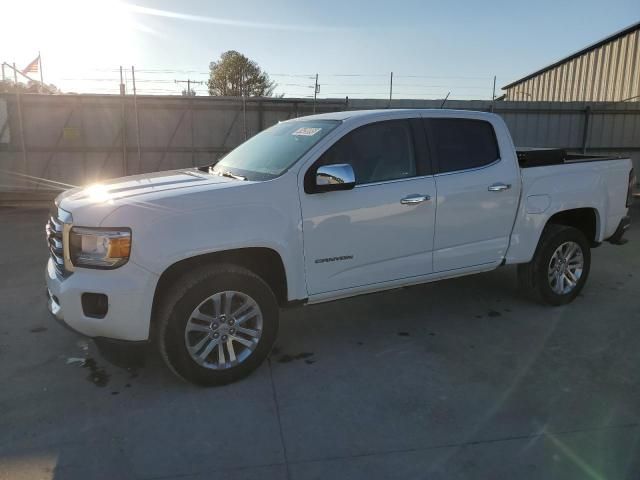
560	267
217	325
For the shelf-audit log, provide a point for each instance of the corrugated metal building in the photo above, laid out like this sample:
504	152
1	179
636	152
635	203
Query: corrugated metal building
607	71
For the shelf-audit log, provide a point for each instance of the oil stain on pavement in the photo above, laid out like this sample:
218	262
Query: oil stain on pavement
286	358
97	375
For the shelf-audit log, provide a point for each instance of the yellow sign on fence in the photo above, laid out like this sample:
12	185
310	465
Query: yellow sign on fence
70	133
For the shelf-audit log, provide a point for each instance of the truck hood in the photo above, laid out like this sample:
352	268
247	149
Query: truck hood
104	197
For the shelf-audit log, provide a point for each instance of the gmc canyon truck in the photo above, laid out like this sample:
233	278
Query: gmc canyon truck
199	261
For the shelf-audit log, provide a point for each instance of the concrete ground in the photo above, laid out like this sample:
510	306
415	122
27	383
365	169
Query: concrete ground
455	380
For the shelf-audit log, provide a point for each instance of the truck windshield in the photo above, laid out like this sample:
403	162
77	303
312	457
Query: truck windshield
271	152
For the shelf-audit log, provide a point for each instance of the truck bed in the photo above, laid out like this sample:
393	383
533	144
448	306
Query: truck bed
541	157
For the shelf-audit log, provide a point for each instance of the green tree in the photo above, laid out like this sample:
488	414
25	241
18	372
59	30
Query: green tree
234	73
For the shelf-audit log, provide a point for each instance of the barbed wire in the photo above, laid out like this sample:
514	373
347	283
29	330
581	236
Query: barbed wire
151	81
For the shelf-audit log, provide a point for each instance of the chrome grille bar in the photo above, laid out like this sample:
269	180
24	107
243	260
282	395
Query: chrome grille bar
54	230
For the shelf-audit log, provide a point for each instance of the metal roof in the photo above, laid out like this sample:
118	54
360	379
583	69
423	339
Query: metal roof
610	38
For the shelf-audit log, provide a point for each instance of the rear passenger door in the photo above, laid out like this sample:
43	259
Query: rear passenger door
478	192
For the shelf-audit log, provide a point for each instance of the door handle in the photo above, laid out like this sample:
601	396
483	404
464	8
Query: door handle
415	199
499	187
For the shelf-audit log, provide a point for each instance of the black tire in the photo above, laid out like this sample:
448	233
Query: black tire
533	276
181	300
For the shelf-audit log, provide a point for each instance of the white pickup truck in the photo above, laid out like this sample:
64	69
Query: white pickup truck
314	209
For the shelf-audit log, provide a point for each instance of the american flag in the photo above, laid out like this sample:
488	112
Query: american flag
33	67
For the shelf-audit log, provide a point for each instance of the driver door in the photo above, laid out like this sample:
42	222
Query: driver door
382	229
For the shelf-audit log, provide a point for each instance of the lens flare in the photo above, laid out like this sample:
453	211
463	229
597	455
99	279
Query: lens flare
98	193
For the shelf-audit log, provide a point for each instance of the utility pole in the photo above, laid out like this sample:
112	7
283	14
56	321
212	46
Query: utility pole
390	89
3	77
123	126
122	86
23	144
189	82
135	107
315	94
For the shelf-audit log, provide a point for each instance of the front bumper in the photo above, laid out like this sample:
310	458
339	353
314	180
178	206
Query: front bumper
130	290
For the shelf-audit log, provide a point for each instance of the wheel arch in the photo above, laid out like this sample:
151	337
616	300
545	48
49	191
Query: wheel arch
263	261
585	219
536	278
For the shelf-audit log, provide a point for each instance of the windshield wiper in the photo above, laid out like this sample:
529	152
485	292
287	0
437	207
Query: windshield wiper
228	174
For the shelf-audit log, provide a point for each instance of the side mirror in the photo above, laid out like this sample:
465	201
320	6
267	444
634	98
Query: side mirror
335	177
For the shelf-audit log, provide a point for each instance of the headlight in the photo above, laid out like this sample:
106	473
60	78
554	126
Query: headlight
99	247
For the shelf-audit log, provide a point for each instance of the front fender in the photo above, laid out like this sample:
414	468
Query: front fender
264	214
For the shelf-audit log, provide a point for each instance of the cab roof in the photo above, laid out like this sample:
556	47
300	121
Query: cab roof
372	114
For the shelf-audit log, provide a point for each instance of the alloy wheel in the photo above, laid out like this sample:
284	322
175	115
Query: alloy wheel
565	268
224	330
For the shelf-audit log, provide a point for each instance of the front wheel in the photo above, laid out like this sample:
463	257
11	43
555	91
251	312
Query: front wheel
217	325
560	267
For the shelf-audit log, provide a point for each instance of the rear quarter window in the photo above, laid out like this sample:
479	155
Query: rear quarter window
462	144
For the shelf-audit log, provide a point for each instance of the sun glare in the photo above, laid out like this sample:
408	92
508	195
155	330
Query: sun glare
74	36
98	193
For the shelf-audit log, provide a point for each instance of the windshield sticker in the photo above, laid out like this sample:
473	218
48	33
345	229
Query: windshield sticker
306	131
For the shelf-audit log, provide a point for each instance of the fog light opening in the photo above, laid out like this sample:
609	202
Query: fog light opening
95	305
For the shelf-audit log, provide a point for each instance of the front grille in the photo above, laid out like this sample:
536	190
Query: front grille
54	229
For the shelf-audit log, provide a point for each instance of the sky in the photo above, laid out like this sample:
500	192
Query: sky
432	47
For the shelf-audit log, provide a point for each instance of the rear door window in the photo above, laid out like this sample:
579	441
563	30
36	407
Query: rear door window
461	144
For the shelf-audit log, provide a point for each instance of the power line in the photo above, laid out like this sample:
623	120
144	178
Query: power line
445	77
295	75
355	75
